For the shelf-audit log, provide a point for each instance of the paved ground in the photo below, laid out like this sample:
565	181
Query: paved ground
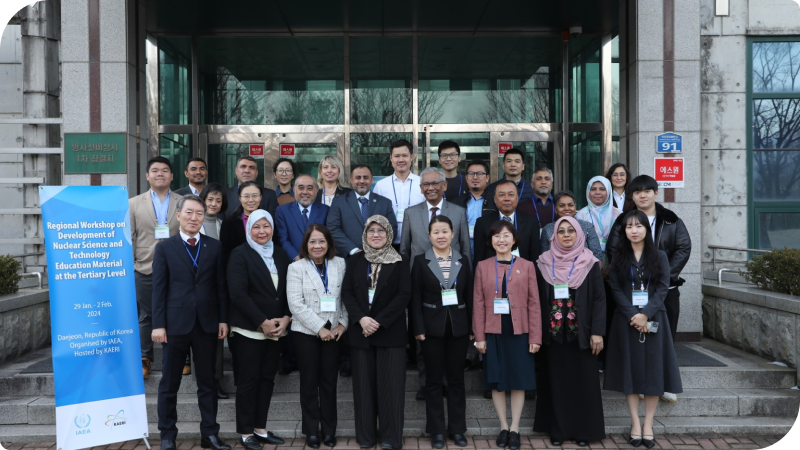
682	442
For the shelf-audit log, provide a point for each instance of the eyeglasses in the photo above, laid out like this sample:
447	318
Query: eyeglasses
449	156
379	232
251	196
284	171
618	175
476	174
567	231
431	184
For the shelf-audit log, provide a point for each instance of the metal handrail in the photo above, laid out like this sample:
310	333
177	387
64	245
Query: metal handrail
22	257
714	249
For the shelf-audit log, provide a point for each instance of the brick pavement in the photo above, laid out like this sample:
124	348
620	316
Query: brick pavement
675	442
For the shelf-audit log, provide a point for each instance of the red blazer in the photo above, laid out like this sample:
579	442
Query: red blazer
523	296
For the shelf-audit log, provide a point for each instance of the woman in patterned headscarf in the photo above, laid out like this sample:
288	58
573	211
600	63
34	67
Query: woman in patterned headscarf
376	292
600	211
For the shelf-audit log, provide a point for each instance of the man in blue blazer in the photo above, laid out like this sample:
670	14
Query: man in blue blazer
349	212
190	311
293	218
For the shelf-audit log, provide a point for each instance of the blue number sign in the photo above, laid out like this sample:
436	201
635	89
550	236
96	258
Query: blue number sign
669	143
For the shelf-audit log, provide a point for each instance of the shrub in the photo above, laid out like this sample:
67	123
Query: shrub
777	271
9	275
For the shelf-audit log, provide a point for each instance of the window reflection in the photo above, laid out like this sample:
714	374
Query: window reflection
776	175
779	230
776	67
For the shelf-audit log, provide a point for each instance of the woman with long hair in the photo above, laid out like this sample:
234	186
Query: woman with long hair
619	177
331	179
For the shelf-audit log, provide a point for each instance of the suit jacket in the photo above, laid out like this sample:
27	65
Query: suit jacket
525	185
523	297
304	288
143	229
269	201
415	240
346	224
339	191
231	235
181	298
254	298
289	222
186	190
527	232
392	295
429	316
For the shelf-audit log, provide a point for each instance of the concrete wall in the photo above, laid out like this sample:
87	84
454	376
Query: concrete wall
11	135
24	323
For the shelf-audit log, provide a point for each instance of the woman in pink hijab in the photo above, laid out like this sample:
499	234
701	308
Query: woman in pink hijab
574	315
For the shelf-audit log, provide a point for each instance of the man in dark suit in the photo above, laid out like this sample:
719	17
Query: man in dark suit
293	218
247	170
196	171
349	212
190	310
514	170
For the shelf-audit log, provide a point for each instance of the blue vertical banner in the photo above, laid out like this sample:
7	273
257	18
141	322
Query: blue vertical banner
94	320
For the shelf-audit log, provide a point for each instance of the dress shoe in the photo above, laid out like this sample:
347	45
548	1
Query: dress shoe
345	370
556	442
312	441
386	446
167	444
329	440
146	366
502	439
459	439
251	443
669	397
649	443
513	440
214	442
187	369
269	438
487	394
420	394
437	441
635	440
366	445
221	394
582	443
530	395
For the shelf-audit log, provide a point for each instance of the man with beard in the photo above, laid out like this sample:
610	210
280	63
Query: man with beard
541	204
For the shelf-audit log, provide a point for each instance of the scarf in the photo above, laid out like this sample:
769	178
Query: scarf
384	255
603	216
265	251
564	257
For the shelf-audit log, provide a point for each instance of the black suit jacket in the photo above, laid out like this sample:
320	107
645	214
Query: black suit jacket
346	224
231	235
527	232
428	315
182	298
339	191
269	201
392	295
254	298
184	191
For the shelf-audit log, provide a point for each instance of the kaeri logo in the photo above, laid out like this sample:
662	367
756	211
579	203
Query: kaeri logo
116	420
82	422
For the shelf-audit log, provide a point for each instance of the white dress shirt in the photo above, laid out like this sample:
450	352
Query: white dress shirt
438	211
402	194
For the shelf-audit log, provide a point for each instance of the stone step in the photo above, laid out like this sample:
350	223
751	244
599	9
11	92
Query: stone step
475	427
286	406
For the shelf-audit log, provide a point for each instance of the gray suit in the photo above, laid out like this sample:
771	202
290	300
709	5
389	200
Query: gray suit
415	240
346	223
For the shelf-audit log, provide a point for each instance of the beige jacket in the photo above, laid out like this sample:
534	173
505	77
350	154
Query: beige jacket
143	229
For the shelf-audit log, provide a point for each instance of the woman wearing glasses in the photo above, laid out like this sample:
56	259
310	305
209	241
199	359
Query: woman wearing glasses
284	174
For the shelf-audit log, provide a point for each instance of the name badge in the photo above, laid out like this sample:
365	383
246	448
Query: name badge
603	243
371	294
562	291
327	303
472	231
449	297
515	252
162	231
501	306
399	215
639	299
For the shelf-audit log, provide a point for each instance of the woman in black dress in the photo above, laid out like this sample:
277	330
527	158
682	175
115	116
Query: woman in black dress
574	315
641	358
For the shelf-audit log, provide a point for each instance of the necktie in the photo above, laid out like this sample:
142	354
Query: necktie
364	201
433	212
192	241
305	218
507	219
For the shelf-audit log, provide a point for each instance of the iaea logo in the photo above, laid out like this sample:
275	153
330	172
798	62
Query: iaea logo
82	422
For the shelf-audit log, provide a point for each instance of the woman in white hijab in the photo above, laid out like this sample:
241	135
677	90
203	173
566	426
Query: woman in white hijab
600	211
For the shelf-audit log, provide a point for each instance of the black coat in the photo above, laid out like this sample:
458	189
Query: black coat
339	191
672	238
182	298
527	232
428	315
269	200
392	296
254	298
231	235
590	301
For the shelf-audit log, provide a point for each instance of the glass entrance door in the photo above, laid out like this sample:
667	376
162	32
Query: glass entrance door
308	149
541	149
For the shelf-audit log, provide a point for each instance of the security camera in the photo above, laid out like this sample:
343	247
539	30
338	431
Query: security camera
575	31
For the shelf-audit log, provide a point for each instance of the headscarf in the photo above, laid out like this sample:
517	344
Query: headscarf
264	250
386	254
603	216
564	257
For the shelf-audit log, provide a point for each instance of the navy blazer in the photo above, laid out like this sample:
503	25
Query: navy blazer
289	222
347	225
182	298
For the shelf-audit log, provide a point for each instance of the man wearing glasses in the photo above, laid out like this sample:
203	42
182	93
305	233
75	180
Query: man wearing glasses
473	201
449	159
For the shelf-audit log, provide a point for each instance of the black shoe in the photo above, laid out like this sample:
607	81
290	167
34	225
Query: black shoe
386	446
214	442
530	395
513	440
251	443
459	439
437	441
635	441
329	440
221	394
286	370
649	443
556	442
312	441
502	439
168	444
487	394
345	370
582	443
366	445
420	394
269	438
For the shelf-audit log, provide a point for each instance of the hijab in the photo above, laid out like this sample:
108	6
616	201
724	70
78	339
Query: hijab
265	251
563	258
386	254
603	216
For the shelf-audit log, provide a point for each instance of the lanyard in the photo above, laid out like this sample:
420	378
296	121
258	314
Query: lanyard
455	285
162	210
194	258
515	219
641	278
460	185
410	185
521	190
570	270
497	277
535	208
324	277
599	224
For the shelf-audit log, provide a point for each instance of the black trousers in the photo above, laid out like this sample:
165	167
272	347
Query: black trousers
379	384
288	356
257	365
204	347
319	371
673	306
445	356
144	306
218	373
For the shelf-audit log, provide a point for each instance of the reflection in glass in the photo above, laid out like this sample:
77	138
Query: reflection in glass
776	175
537	154
380	80
779	230
776	67
372	149
308	156
222	164
177	148
585	161
776	123
174	80
474	147
585	92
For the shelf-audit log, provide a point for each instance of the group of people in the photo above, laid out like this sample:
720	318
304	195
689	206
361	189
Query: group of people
442	269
